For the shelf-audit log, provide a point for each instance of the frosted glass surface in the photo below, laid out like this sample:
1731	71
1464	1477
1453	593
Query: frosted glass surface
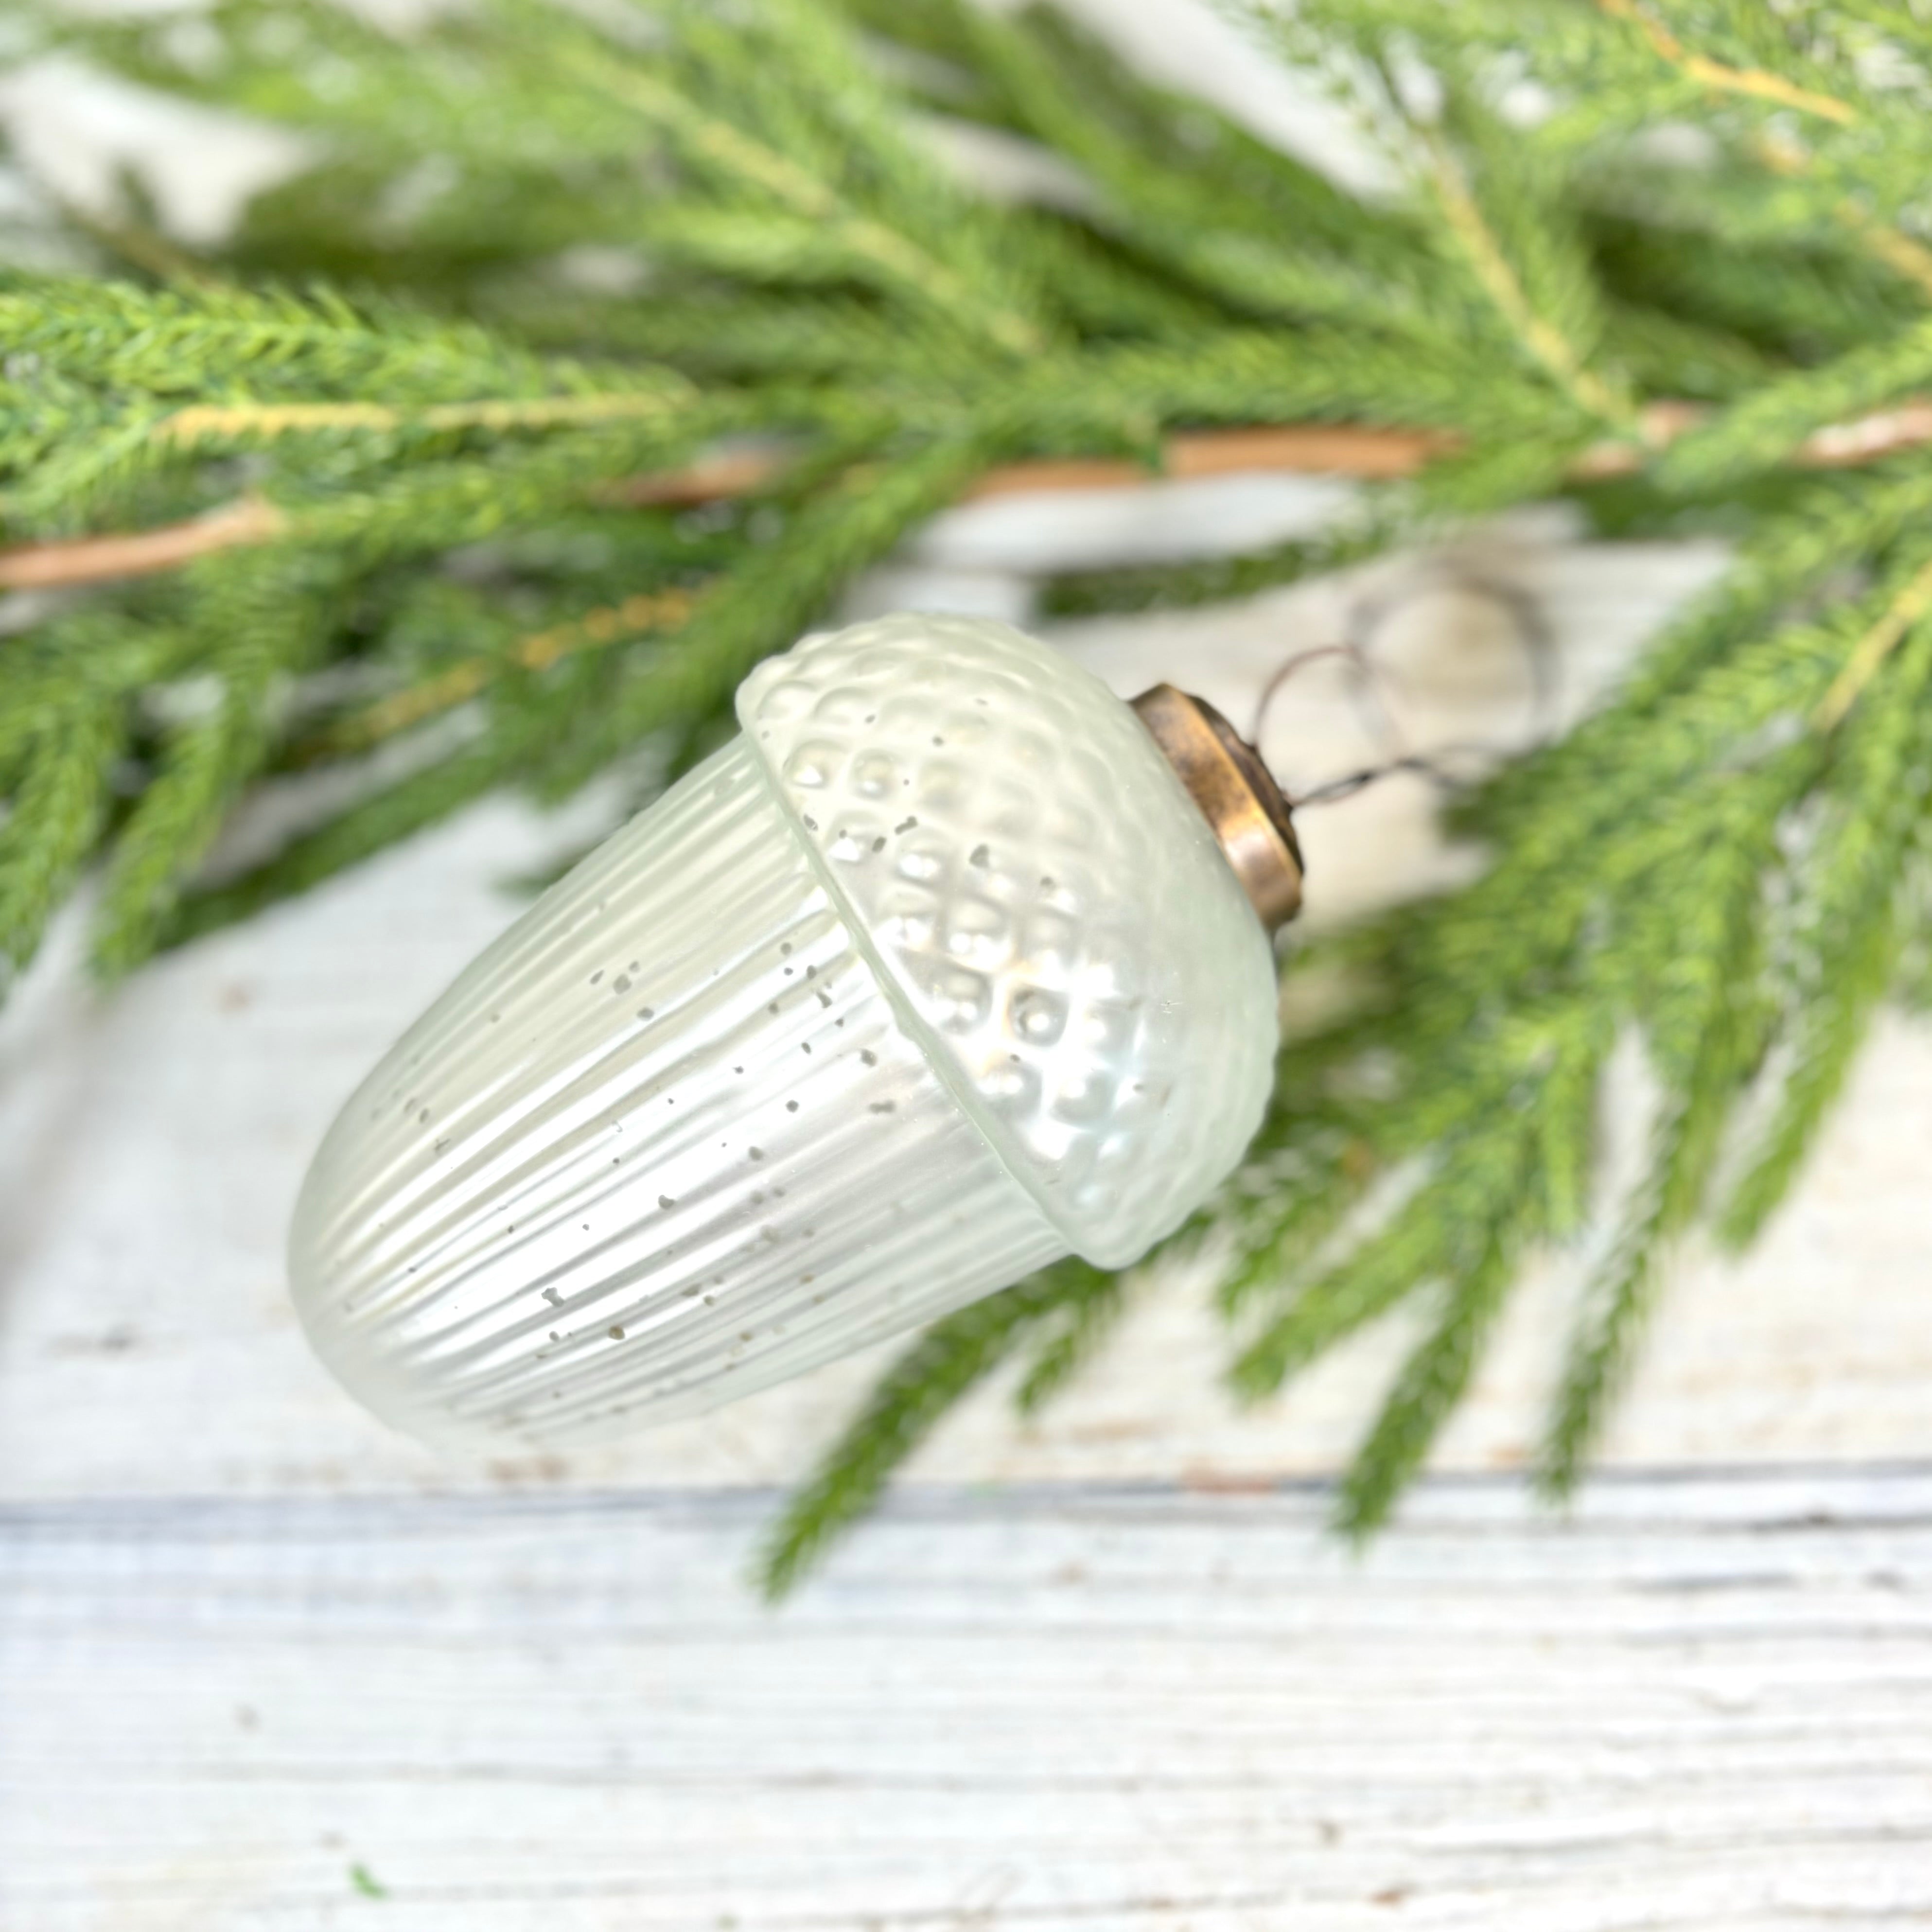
932	975
664	1143
1046	899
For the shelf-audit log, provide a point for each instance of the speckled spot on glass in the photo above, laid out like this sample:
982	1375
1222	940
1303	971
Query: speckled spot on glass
990	999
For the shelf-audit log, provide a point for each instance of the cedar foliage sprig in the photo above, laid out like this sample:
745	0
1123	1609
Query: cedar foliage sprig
422	426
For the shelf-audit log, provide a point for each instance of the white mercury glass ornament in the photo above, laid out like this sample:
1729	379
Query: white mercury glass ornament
949	964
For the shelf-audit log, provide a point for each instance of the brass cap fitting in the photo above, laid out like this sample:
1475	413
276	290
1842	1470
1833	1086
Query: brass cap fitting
1241	803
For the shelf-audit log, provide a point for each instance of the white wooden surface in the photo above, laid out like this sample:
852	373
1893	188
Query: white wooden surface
1707	1704
1101	1671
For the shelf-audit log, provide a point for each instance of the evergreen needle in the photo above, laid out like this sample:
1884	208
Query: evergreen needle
588	354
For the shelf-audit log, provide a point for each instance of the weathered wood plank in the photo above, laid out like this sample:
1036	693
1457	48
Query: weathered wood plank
1703	1703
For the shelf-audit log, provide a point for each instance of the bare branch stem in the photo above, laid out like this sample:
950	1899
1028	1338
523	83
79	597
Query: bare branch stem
1339	449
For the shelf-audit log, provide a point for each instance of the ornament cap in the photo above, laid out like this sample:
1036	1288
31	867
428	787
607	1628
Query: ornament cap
1244	806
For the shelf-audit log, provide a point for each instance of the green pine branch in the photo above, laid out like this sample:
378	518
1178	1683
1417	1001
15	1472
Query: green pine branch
428	393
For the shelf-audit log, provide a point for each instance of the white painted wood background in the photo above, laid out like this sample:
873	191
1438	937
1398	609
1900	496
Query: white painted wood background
264	1666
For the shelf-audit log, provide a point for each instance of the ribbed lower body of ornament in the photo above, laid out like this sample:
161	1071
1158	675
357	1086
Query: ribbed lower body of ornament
664	1144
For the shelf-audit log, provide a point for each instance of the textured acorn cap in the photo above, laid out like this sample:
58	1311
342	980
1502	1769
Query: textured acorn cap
1047	900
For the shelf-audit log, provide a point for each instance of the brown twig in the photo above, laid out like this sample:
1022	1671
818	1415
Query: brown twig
1756	82
1905	256
1903	253
225	422
1491	267
64	561
1901	617
607	624
1897	250
1313	449
1341	449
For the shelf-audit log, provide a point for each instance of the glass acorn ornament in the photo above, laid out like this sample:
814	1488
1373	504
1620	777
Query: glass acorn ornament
949	964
